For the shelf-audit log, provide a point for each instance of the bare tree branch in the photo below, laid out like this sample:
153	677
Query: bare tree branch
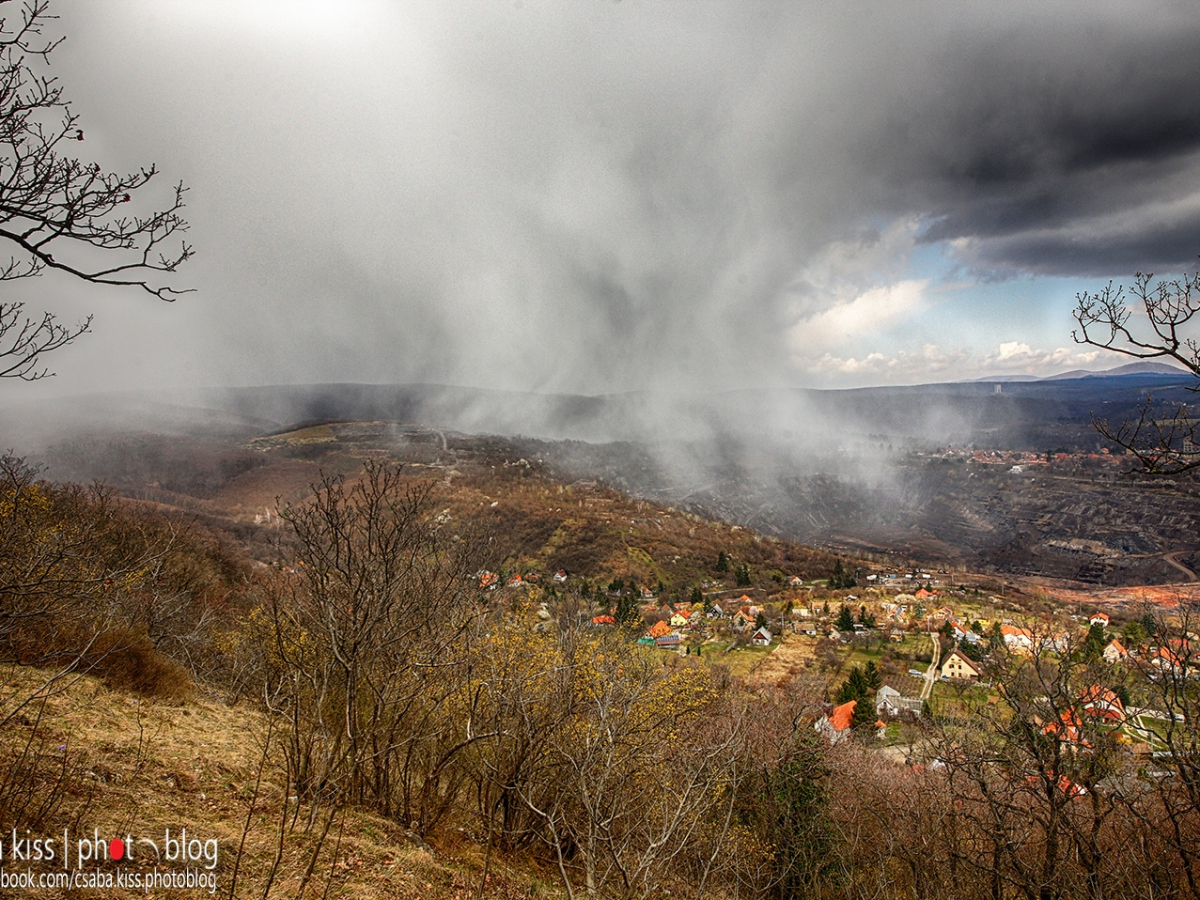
1162	440
56	210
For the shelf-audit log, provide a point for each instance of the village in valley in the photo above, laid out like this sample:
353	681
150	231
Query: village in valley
894	648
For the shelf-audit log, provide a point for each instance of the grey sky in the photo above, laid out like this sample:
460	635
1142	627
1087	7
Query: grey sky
595	196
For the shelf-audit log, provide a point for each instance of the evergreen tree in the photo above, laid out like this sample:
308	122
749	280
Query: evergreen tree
1135	634
760	621
1093	644
789	804
627	614
845	620
872	677
841	578
742	575
865	716
995	638
1150	624
697	596
972	651
856	685
722	562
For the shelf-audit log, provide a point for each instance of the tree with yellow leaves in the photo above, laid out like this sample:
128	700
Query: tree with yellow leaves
635	766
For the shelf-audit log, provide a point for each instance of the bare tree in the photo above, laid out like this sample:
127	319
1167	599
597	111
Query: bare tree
1162	439
369	638
1169	803
58	212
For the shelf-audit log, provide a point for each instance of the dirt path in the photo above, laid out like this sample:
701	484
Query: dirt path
931	674
1173	559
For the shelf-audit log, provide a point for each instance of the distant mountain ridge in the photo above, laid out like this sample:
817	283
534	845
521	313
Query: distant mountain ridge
1143	367
782	424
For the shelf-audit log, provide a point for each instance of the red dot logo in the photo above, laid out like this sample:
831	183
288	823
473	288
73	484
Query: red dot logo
116	849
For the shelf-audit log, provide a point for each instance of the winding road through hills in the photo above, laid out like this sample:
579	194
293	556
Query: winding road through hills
1173	559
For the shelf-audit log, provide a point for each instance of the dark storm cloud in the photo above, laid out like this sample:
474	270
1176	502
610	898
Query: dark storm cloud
596	197
1057	152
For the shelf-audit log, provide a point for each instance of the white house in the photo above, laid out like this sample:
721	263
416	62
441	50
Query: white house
1115	652
1016	638
891	703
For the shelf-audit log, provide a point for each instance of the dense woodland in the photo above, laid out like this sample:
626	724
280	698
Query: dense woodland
387	680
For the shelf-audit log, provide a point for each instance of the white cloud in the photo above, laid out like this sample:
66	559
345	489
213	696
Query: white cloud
865	315
1019	357
1013	350
934	362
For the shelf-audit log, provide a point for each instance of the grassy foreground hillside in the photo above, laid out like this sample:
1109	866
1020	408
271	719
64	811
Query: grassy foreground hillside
132	765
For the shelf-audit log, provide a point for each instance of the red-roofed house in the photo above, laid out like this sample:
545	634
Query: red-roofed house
1016	638
1099	619
1115	652
745	617
1166	661
1062	783
659	629
1103	704
836	725
1067	729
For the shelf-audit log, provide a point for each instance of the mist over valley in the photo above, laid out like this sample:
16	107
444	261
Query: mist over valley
1001	476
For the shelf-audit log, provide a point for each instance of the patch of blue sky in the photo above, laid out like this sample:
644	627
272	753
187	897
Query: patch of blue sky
967	312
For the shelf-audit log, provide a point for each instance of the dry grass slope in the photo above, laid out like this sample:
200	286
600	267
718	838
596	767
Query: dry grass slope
143	766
